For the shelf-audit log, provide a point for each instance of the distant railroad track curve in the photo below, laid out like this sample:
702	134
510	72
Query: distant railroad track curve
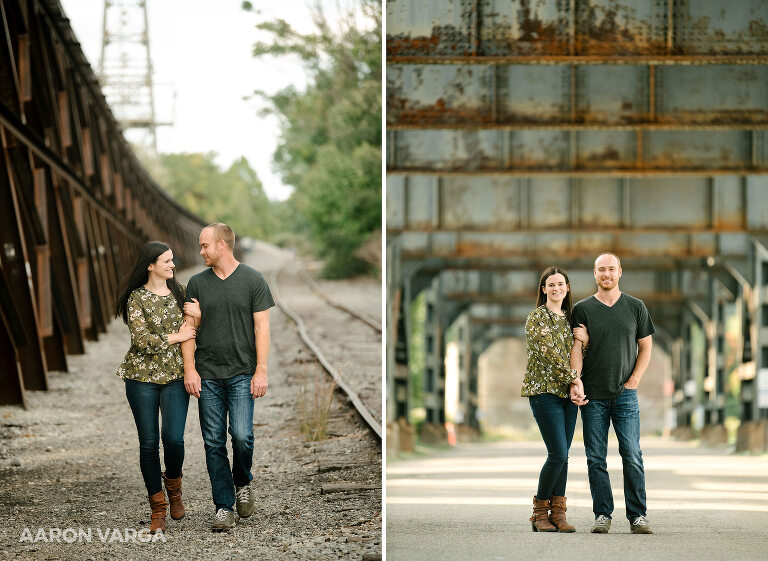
341	338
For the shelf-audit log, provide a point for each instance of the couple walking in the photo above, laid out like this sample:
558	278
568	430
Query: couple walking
210	340
591	357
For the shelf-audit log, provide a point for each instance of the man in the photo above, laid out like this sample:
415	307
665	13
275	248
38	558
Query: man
616	358
228	370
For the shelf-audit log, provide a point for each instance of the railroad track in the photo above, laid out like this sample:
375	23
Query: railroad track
346	342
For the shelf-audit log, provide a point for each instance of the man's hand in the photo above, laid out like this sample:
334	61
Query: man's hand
192	383
580	334
632	383
193	309
577	392
259	382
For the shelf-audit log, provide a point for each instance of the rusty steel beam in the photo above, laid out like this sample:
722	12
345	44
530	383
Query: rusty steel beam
427	124
11	338
582	60
559	245
75	204
432	265
580	154
18	269
576	173
585	229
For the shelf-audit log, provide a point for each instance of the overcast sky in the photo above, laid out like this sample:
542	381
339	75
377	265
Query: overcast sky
203	49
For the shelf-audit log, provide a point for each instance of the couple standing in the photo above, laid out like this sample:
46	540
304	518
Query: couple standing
225	311
599	350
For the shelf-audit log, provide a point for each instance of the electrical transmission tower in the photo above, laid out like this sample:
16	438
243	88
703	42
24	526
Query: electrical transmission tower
125	68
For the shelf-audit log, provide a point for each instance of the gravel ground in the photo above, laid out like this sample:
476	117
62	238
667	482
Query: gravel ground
362	294
71	462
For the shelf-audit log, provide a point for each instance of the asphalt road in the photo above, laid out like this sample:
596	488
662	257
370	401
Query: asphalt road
473	502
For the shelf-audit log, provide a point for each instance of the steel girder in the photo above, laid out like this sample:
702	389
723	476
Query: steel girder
583	88
472	206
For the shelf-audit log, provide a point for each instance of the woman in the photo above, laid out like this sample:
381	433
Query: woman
548	376
151	304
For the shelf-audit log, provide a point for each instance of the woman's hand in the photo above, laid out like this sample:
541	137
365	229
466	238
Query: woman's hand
185	333
580	333
193	309
577	392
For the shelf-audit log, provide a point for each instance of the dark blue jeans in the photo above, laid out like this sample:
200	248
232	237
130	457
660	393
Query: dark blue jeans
624	413
556	417
217	399
171	401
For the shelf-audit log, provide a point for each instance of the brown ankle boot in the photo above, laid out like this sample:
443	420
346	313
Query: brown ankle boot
173	488
557	517
158	504
540	518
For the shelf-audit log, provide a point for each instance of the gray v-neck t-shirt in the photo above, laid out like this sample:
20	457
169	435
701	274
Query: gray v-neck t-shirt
226	342
612	349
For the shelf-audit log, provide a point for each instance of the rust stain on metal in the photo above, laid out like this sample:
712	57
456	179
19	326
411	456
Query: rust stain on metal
532	35
607	158
401	110
673	158
444	40
759	30
540	36
605	35
753	39
715	117
512	117
402	44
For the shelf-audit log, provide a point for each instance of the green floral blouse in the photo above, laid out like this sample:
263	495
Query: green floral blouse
150	319
549	340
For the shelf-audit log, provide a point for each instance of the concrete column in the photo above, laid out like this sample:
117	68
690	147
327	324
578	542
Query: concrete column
434	364
463	329
753	431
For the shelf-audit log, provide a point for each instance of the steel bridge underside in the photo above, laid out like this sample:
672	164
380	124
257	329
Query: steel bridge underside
526	134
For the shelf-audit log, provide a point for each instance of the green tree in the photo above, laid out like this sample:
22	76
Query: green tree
330	143
235	196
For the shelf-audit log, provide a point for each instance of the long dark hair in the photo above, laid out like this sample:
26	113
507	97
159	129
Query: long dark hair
139	276
542	299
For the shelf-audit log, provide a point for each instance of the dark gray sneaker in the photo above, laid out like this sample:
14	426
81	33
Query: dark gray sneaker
640	525
245	502
602	525
223	521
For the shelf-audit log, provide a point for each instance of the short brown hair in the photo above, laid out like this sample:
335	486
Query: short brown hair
607	253
223	232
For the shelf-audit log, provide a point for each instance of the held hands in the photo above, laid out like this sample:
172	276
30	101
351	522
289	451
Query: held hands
259	382
193	309
577	392
192	383
581	334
